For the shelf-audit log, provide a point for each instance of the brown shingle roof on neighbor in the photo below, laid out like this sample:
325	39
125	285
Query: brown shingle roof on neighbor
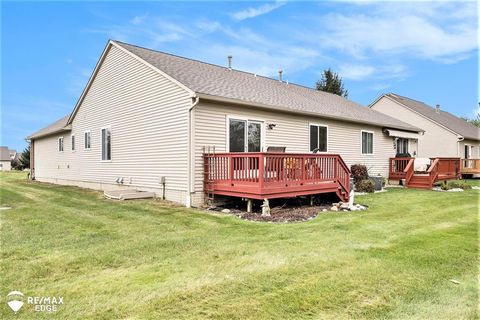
217	81
4	154
55	127
446	119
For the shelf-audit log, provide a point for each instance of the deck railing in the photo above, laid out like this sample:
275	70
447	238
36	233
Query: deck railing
440	168
448	167
397	168
263	170
470	166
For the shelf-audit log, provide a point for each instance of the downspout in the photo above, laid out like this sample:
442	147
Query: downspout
191	153
460	139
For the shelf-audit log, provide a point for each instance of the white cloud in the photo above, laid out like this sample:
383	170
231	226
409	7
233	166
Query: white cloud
258	11
413	30
356	72
137	20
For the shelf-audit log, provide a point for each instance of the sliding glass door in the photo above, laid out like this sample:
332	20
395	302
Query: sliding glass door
245	136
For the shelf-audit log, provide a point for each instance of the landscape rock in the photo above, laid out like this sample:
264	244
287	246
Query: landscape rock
226	210
334	208
455	190
324	209
476	188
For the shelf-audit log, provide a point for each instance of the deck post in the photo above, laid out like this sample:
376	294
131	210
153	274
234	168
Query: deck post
249	205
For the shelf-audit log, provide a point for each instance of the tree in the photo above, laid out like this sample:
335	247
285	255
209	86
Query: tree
25	158
331	82
475	121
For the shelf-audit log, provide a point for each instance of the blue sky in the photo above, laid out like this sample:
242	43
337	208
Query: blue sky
426	50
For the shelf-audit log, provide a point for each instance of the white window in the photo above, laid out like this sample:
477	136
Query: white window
106	144
244	135
318	138
60	144
367	142
87	140
73	142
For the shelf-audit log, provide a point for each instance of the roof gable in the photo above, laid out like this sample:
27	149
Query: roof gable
443	118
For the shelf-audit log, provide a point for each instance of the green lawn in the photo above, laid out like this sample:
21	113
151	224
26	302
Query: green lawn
149	260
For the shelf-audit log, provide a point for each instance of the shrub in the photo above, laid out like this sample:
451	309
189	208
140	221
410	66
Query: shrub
455	184
359	173
459	184
365	185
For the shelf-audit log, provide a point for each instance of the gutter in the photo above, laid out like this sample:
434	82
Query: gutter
288	110
191	152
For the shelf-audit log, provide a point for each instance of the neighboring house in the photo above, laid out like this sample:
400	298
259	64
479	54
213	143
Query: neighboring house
5	160
13	154
445	134
146	116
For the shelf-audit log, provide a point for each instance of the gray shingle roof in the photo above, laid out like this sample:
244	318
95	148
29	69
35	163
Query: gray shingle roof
55	127
4	154
444	118
205	78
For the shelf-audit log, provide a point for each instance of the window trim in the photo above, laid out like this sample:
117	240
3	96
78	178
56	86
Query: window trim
101	143
89	132
373	142
73	143
247	119
58	144
328	135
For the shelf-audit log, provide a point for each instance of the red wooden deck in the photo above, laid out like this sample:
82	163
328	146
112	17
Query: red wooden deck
263	175
439	170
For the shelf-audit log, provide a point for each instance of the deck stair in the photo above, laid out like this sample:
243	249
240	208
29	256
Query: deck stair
421	181
440	169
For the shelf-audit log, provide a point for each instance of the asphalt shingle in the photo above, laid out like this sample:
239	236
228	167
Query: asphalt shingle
444	118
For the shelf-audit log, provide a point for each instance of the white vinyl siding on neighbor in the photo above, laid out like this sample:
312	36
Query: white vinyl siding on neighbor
318	138
367	142
148	114
435	142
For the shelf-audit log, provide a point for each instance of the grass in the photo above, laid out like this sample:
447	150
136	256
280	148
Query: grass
149	260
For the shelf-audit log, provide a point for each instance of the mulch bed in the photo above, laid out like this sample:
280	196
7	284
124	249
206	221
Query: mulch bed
285	214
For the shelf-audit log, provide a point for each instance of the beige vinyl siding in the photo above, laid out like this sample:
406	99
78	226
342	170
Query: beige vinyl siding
475	150
148	117
435	142
291	131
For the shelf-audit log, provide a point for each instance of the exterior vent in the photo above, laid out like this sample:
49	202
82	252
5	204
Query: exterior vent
280	75
229	62
437	108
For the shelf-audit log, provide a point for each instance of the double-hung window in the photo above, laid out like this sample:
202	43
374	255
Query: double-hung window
60	144
318	138
367	142
106	145
87	140
73	142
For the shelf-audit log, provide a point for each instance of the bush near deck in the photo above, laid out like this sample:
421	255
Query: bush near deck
149	260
